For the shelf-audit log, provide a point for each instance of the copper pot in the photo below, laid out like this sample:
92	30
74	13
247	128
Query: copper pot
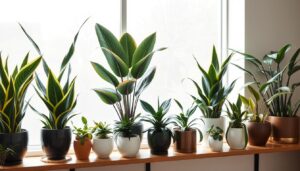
82	149
258	133
285	130
185	141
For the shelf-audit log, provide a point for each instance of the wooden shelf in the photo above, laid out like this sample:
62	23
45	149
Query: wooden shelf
144	156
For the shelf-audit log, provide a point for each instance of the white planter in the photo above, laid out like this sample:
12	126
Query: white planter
236	138
103	147
208	122
128	147
215	145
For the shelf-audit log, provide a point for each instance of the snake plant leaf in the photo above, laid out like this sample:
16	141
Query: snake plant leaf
126	87
292	62
118	66
40	85
139	68
15	72
26	72
129	46
2	96
105	74
108	96
108	41
215	61
254	92
66	102
145	47
213	77
25	86
147	107
281	53
145	81
25	60
31	40
54	89
66	86
3	74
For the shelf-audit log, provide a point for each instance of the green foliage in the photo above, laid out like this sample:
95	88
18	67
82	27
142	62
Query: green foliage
102	130
13	88
183	120
276	88
216	133
84	132
128	70
158	118
4	152
58	97
235	113
125	126
212	93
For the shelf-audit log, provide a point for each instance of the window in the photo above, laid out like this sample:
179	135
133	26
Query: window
186	27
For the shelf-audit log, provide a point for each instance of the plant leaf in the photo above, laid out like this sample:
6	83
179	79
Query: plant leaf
105	74
126	87
129	47
108	96
144	48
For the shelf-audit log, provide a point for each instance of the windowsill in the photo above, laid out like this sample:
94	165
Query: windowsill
144	156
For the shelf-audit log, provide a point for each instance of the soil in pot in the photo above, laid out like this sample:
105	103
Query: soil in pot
56	143
82	149
159	141
185	141
259	133
103	147
18	143
284	129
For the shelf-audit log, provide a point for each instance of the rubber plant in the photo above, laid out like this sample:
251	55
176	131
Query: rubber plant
274	80
129	75
212	93
13	88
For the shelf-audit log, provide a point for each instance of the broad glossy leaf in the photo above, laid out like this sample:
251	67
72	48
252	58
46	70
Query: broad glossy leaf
118	66
108	41
281	53
108	96
105	74
126	87
129	46
54	89
145	81
147	107
144	48
292	62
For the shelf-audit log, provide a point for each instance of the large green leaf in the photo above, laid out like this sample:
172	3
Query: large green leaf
254	93
145	81
215	60
118	66
144	48
65	103
147	107
129	46
54	89
26	72
292	62
108	96
105	74
108	41
126	87
281	53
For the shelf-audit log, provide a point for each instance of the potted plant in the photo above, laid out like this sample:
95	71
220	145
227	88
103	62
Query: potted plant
102	143
259	129
185	130
159	135
13	88
213	93
60	100
236	134
82	143
127	141
128	63
215	138
275	85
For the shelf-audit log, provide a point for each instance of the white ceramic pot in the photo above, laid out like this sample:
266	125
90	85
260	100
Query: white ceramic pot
103	147
128	147
236	138
215	145
208	122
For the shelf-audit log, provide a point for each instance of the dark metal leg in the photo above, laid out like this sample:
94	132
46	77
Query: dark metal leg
148	167
72	169
256	162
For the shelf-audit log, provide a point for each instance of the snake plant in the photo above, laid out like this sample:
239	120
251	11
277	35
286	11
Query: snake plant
274	80
13	88
212	93
58	97
128	64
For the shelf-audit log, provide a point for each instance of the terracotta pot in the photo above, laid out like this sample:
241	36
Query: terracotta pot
259	133
185	141
82	149
284	129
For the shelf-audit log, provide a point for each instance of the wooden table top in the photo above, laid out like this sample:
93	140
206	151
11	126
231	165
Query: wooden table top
144	156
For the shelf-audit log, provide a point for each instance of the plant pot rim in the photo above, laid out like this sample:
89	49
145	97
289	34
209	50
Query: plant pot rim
96	138
190	130
85	139
259	123
285	117
132	136
65	128
15	133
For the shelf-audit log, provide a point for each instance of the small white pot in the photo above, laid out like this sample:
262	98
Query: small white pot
103	147
215	145
236	138
128	147
208	122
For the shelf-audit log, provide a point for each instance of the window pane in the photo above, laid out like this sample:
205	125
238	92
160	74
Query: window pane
187	28
53	24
